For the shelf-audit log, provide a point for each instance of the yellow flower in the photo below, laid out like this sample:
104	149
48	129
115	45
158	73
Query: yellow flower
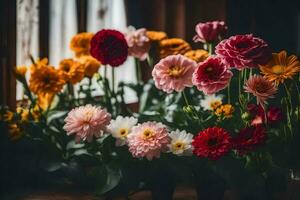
198	55
224	111
80	44
14	131
280	67
8	116
173	46
46	79
35	113
72	70
24	113
20	71
156	35
45	100
91	65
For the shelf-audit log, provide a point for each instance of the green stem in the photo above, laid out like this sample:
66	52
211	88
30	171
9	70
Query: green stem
138	70
210	48
113	80
298	100
185	98
239	82
105	72
228	93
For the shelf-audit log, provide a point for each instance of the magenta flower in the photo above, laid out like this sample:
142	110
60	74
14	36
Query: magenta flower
148	140
211	76
210	31
138	42
174	73
261	88
86	122
243	51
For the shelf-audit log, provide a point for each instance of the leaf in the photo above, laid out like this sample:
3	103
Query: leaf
73	145
112	180
53	166
55	115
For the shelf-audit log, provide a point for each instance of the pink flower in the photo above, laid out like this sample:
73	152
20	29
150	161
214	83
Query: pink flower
212	75
274	115
148	140
86	121
174	73
243	51
138	42
209	31
261	88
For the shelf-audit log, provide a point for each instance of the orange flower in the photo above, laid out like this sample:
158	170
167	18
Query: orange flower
156	35
14	131
80	43
91	65
224	111
198	55
280	67
173	46
20	71
45	100
72	70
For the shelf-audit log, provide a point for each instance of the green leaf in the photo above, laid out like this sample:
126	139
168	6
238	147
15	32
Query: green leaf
112	180
55	115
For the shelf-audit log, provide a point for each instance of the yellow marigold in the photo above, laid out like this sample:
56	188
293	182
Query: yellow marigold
15	131
20	71
198	55
72	70
8	116
46	79
80	44
173	46
156	35
214	105
44	101
24	114
280	67
35	113
224	111
91	65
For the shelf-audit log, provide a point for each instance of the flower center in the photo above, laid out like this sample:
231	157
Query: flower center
123	132
147	133
260	87
178	146
278	69
212	142
175	71
46	79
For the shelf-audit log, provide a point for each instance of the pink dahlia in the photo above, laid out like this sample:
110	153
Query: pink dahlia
148	140
138	42
174	73
210	31
243	51
212	75
86	121
261	88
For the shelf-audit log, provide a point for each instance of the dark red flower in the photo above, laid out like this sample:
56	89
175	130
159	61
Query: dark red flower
257	114
274	114
209	31
249	139
243	51
212	143
109	47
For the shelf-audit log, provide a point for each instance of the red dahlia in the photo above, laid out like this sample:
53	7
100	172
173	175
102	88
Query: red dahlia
212	143
109	47
249	139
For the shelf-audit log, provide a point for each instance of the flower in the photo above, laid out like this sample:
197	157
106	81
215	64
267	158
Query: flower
173	73
87	122
249	139
46	79
8	116
274	115
212	143
280	67
243	51
224	111
156	35
24	114
90	64
198	55
20	71
211	102
261	88
257	114
120	128
181	143
45	100
72	70
138	42
109	47
148	140
173	46
80	43
209	32
35	113
211	76
14	131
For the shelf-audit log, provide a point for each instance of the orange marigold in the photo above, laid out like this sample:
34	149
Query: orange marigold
173	46
198	55
91	65
156	35
80	44
72	70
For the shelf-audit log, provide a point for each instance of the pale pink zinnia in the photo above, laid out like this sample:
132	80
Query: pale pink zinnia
148	140
210	31
261	88
86	122
138	42
211	76
174	73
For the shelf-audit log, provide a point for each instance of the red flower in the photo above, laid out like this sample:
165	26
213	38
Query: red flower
243	51
257	112
109	47
209	31
212	75
249	139
274	115
212	143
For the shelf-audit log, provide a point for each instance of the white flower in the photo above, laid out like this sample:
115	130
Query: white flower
181	143
120	128
211	102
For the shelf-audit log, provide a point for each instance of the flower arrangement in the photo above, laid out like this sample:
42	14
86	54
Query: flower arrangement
230	103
